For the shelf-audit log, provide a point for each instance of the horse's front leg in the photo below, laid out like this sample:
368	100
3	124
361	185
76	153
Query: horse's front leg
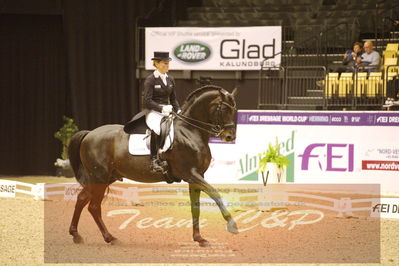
198	180
195	193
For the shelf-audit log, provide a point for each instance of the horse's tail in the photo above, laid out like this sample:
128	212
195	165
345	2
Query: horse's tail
74	155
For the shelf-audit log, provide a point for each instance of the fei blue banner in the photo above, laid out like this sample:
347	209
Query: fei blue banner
318	118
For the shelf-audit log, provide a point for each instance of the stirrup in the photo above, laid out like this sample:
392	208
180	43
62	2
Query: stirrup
155	166
162	163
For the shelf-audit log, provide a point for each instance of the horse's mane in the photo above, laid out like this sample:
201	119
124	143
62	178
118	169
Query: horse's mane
194	94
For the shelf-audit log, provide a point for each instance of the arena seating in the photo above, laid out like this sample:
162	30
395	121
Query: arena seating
316	33
393	61
361	84
331	86
345	84
370	89
300	19
392	47
374	86
366	86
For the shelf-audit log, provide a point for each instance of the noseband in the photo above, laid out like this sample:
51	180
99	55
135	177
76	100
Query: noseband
213	129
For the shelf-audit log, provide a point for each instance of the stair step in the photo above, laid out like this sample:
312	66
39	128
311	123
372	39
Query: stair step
304	100
314	93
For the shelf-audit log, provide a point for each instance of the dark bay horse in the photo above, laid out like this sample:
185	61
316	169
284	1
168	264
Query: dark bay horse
100	157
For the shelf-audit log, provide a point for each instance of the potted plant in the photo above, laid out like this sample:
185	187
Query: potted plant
64	134
272	161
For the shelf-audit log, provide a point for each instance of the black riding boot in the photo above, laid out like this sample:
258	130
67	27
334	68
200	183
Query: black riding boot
155	162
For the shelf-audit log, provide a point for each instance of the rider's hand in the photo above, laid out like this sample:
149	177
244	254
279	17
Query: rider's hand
167	109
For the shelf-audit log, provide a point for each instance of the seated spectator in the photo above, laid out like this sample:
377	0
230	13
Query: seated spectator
369	61
349	61
350	57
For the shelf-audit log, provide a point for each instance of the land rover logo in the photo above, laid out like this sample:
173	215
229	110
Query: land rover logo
192	52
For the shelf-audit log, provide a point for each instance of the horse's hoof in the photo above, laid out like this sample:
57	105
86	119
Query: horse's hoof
77	239
204	244
111	240
115	241
232	227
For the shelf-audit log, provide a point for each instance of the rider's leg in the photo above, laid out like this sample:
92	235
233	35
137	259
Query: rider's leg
155	163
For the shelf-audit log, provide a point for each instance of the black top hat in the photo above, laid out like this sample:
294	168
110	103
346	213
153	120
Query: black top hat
162	56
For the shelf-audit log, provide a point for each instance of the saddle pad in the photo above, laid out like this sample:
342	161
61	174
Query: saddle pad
139	144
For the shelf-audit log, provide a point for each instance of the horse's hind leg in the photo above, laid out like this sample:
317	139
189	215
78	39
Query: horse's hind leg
82	200
97	194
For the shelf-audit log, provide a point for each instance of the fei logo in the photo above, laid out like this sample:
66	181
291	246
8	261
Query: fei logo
334	155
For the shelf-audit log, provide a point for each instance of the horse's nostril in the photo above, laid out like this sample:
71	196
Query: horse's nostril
228	138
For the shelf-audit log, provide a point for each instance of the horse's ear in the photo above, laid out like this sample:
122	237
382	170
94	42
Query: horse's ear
235	93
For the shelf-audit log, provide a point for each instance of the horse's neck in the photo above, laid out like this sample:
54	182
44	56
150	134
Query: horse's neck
199	109
197	112
202	134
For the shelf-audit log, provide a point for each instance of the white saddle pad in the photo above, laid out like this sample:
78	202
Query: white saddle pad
139	144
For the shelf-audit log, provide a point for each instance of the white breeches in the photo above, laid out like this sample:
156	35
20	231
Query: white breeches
153	121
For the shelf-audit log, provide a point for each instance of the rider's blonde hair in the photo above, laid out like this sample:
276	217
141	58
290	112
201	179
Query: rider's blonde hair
155	62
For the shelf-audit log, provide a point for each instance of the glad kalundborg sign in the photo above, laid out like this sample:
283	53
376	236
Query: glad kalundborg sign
236	48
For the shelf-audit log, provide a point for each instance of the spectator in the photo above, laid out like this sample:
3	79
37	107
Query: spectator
349	61
369	61
350	57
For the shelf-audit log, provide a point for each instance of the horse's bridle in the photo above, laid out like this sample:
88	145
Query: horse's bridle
213	129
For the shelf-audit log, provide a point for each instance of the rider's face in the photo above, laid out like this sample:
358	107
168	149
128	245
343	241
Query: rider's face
162	66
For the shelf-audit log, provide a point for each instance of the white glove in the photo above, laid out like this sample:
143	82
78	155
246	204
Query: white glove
167	109
179	111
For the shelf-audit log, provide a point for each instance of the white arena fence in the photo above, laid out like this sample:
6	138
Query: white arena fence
266	200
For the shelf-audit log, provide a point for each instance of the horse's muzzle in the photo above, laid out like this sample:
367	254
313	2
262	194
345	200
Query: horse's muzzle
230	138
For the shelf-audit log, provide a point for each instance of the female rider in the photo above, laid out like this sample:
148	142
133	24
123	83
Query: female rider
159	101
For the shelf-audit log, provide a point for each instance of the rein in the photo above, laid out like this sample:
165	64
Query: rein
213	129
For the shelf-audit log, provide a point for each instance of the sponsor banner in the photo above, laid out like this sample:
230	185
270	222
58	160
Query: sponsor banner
235	48
7	188
385	208
252	141
222	168
319	118
381	165
361	151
